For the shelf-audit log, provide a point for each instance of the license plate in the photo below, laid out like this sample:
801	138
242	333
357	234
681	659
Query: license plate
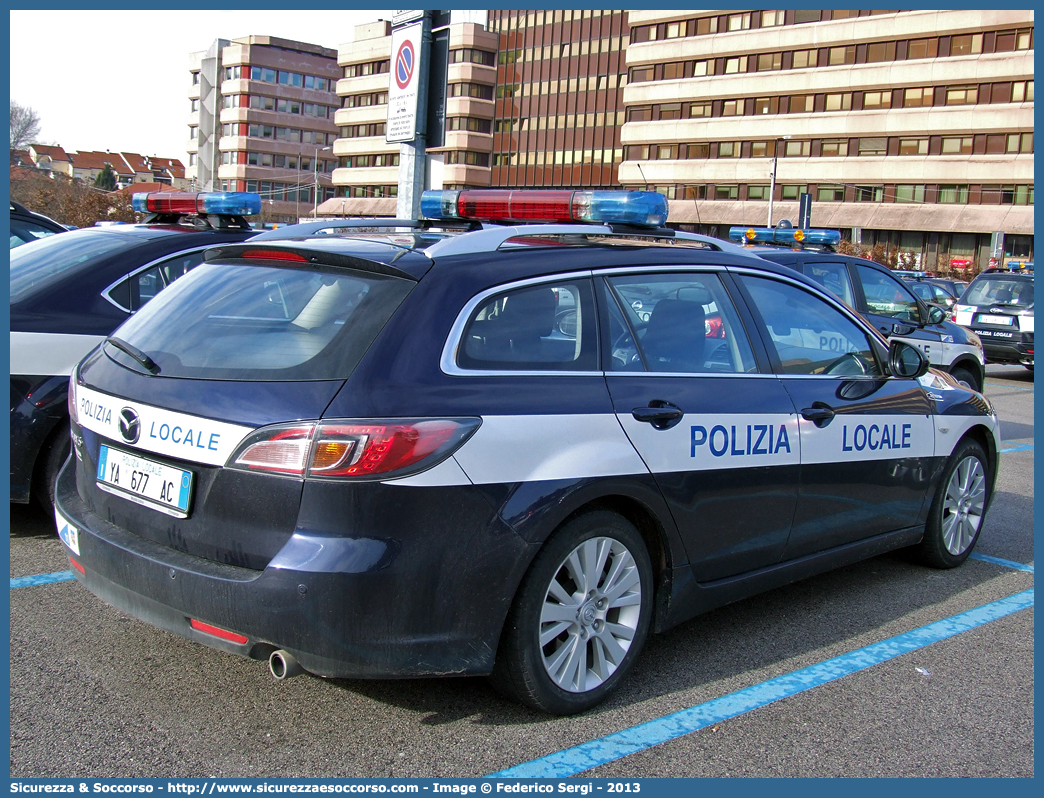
986	318
146	482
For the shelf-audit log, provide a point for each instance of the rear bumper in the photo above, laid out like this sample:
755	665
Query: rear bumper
999	350
344	607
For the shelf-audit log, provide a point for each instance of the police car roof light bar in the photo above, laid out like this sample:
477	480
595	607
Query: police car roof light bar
638	208
222	203
784	235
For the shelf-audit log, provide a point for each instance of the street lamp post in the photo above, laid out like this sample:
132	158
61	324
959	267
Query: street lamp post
315	164
772	183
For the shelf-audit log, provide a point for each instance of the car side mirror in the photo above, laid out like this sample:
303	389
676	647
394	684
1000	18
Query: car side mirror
936	314
906	360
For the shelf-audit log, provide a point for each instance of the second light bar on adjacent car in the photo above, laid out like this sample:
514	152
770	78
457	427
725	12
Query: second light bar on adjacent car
640	208
229	203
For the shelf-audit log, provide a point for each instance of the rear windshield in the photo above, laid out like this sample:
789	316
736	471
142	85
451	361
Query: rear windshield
228	321
999	290
46	261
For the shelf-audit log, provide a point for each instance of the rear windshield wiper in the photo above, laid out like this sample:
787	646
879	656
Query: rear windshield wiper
134	352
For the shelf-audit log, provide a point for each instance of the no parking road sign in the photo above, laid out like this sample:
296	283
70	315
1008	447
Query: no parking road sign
402	88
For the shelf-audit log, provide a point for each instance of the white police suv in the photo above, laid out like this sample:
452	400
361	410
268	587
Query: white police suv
69	291
512	449
875	292
998	306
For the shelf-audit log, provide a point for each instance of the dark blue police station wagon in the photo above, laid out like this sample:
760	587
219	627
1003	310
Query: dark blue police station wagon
513	450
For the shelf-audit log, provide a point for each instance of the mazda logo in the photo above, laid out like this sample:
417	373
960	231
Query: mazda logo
130	425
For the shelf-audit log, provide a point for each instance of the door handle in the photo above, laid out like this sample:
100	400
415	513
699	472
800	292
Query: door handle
819	414
661	414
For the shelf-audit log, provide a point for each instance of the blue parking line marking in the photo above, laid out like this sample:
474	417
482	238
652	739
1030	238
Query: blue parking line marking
1016	447
41	579
1018	566
646	735
1013	387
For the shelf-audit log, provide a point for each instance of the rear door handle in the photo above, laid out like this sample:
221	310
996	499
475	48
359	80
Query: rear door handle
661	414
819	414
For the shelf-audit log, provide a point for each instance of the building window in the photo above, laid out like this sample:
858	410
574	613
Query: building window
469	56
729	149
835	148
908	193
913	146
477	91
757	192
696	192
970	44
869	193
830	194
641	74
667	152
735	65
698	151
641	113
797	149
1011	40
802	104
770	61
877	99
738	22
838	102
701	68
766	105
195	78
805	58
772	19
732	108
962	95
726	192
880	51
873	146
697	110
807	15
953	195
922	48
706	25
957	145
195	105
670	111
837	56
469	123
193	132
915	98
1022	91
792	192
1016	195
760	149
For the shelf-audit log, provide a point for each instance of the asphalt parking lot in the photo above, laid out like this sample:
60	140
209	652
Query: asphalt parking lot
95	693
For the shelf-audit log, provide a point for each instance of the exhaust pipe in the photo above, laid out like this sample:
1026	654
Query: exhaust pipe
283	665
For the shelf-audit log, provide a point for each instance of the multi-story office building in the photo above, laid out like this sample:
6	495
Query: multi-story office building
263	120
559	103
913	129
367	174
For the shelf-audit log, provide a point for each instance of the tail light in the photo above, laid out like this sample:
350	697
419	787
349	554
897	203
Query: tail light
353	449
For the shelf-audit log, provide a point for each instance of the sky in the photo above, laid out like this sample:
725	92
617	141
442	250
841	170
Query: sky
119	80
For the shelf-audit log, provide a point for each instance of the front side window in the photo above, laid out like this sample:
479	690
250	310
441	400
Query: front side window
676	323
546	327
886	296
808	335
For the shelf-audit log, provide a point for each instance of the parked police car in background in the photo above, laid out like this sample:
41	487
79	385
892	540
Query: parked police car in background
68	292
998	306
875	292
423	453
27	225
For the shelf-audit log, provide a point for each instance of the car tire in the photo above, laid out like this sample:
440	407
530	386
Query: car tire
52	457
966	378
957	511
601	625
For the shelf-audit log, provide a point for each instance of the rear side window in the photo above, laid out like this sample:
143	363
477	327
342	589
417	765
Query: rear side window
48	260
833	277
886	296
545	327
234	321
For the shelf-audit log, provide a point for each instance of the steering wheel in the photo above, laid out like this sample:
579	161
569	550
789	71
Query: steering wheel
849	365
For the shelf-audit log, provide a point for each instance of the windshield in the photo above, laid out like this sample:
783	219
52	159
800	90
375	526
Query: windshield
1001	291
37	265
245	322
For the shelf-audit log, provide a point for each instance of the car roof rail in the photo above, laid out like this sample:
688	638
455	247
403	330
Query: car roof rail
307	229
492	238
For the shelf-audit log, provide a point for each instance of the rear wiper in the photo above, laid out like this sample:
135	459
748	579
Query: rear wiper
134	352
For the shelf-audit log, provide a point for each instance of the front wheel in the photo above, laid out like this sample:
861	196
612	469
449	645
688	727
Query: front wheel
580	616
957	511
965	378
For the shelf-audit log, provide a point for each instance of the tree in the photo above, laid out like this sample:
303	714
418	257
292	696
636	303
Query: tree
106	180
25	126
